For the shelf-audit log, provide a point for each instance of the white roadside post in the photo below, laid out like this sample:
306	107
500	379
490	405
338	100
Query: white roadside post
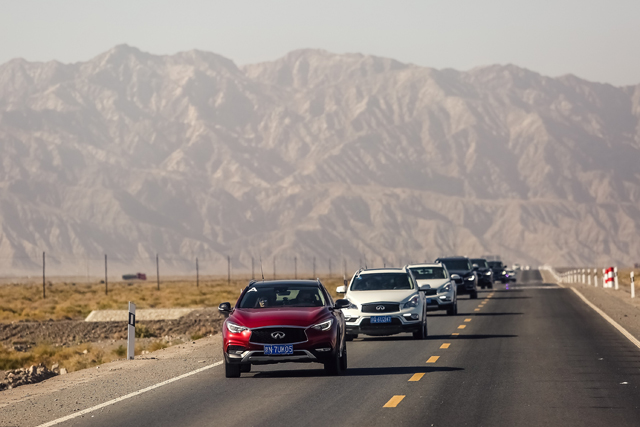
595	277
131	332
584	277
589	276
615	276
633	286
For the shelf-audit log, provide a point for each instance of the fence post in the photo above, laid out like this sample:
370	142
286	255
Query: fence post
274	267
44	291
253	276
633	285
157	272
197	274
314	267
228	270
330	272
106	280
295	267
615	277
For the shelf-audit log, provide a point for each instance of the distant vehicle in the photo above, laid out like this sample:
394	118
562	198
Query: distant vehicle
439	287
467	282
137	276
516	267
485	273
511	275
384	301
499	271
284	321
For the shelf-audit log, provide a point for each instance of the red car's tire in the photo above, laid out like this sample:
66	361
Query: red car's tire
343	359
231	370
333	366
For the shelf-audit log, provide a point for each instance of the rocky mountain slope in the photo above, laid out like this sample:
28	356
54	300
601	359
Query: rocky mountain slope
312	155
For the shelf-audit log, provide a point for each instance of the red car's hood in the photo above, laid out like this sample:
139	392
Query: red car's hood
280	316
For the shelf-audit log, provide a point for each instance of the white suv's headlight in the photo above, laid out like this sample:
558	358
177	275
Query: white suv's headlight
444	288
470	278
236	329
324	326
413	302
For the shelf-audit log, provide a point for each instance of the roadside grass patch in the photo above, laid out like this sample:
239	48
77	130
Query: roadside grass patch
75	302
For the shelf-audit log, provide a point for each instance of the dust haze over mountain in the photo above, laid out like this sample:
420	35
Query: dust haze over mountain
312	155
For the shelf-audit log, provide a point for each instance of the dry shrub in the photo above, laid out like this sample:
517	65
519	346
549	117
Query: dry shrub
157	345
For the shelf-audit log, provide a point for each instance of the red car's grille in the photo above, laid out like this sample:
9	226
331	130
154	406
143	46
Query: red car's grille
278	335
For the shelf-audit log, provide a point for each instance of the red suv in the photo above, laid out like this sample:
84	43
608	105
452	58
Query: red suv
284	321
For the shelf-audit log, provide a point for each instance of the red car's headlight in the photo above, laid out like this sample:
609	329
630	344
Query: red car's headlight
324	326
235	329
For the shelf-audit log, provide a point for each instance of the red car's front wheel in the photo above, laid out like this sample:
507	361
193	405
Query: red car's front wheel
231	370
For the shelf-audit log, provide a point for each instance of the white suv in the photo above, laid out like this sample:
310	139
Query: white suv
384	301
438	285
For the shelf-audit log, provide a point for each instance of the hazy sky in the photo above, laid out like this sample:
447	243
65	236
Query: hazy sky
595	39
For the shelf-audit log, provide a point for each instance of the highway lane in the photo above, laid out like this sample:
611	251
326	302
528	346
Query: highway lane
530	355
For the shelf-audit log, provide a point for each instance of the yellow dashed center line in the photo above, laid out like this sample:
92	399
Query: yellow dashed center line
417	377
445	345
393	402
476	309
433	359
455	333
462	326
467	320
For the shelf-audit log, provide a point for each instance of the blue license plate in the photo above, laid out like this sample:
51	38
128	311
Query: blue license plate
380	319
278	349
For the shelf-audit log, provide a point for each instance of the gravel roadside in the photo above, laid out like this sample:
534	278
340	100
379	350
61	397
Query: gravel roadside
617	304
35	404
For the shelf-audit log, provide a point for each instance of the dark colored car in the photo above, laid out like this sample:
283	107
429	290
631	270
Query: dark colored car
467	283
499	271
284	321
485	273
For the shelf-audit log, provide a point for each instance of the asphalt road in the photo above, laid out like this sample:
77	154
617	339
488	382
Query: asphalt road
533	354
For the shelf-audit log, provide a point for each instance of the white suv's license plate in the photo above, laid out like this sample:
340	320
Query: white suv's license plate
276	349
380	319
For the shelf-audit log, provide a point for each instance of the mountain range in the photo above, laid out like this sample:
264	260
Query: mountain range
344	157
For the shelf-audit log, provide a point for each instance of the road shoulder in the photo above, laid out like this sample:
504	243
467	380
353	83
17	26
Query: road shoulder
616	304
34	404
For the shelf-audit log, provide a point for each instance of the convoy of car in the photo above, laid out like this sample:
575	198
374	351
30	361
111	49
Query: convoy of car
278	321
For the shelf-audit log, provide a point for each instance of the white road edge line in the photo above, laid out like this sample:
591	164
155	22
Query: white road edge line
120	399
615	324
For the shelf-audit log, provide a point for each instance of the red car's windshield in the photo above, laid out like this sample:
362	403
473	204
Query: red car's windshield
282	296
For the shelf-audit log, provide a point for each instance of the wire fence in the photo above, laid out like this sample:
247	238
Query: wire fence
51	267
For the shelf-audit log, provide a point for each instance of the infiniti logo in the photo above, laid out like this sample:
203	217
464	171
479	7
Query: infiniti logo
380	307
277	335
